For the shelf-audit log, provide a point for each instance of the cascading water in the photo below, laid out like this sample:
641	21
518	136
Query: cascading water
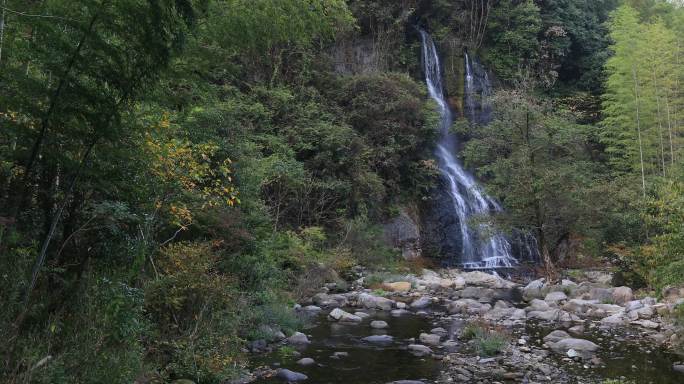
480	249
477	92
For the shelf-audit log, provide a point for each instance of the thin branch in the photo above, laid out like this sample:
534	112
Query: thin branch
173	237
24	14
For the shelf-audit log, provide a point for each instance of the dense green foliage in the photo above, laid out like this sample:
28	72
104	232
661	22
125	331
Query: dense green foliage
175	173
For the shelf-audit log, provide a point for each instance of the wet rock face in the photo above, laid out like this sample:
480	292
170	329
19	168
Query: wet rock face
402	233
440	229
478	92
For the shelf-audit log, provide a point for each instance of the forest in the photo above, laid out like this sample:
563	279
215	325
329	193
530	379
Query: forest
176	175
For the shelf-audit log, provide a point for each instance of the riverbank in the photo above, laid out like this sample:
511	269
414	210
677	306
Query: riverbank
453	326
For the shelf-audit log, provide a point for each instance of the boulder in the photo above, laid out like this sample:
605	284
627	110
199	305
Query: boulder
399	286
298	338
578	306
421	302
458	282
374	302
419	350
464	306
633	305
483	295
378	324
614	320
290	376
402	232
602	295
579	345
538	305
306	361
555	297
645	312
671	294
608	308
556	336
534	289
325	300
577	330
482	279
312	308
429	339
362	315
646	324
622	295
549	315
599	277
378	339
340	315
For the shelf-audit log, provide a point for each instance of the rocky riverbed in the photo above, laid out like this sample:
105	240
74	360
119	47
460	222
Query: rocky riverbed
453	326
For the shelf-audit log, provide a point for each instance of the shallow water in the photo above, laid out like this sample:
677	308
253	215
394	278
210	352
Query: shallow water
624	355
366	363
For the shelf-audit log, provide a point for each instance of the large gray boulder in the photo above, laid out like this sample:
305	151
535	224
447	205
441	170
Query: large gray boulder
290	376
615	320
369	301
482	279
326	300
419	350
422	302
342	316
306	361
538	305
556	336
298	338
534	289
464	306
429	339
578	306
622	295
602	295
403	233
555	297
378	339
579	345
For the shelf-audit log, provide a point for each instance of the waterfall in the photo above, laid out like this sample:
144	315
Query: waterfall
477	92
480	247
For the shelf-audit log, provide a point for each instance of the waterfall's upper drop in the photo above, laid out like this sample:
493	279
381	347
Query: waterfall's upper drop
479	249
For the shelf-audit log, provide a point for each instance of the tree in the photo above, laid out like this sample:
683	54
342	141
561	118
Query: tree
512	37
535	161
639	128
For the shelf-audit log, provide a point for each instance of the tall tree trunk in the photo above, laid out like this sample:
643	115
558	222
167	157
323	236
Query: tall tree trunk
2	27
660	121
45	123
549	267
669	130
53	226
638	123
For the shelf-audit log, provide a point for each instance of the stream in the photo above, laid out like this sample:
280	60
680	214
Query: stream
366	363
625	355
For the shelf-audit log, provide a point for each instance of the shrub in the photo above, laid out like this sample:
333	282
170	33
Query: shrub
198	314
491	343
487	341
